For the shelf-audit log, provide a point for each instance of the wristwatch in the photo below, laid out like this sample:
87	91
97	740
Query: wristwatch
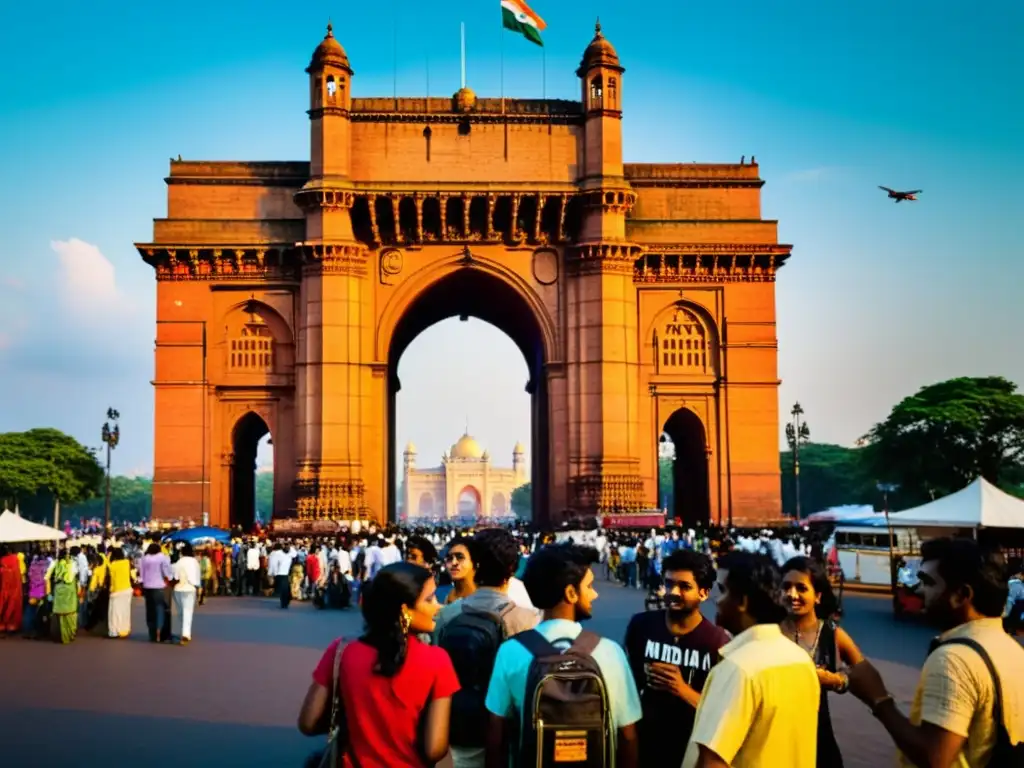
879	703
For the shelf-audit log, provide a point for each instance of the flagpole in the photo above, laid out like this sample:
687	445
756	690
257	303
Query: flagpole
394	53
463	36
501	57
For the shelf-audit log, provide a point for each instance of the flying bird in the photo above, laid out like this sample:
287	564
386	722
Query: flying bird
901	196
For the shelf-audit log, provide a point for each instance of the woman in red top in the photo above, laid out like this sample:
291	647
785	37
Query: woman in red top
395	691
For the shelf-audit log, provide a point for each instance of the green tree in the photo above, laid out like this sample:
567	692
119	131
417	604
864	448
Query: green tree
45	465
131	500
666	484
265	494
942	438
522	501
830	476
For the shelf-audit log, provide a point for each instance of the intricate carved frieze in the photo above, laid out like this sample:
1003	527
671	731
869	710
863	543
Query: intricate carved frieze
493	217
592	258
598	494
318	498
260	263
334	258
713	263
613	201
324	198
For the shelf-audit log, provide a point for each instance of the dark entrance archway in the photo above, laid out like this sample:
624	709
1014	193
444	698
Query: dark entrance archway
690	488
245	440
473	292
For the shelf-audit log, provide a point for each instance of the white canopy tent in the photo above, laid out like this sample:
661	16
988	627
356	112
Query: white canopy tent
14	528
979	505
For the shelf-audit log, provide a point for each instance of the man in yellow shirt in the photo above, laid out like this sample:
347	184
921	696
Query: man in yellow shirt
953	721
759	707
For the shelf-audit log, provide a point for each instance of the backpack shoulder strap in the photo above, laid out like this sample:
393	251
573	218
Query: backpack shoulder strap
537	645
978	648
586	643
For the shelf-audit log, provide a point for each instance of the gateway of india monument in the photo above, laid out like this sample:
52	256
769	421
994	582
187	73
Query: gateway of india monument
642	297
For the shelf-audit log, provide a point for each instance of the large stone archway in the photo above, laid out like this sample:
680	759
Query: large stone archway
484	289
290	289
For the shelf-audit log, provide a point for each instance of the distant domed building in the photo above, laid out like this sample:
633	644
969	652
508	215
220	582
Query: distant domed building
465	485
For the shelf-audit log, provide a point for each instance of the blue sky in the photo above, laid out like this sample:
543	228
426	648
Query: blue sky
833	99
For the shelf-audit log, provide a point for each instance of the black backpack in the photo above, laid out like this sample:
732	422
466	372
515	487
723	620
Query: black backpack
1005	754
472	640
565	719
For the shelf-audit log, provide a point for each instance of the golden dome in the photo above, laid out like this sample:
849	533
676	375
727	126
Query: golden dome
329	52
519	449
467	448
464	100
600	53
410	448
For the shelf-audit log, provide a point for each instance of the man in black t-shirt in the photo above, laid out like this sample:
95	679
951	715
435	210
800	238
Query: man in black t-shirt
670	655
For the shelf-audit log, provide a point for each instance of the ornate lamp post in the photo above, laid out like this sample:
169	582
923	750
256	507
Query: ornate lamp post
111	436
797	431
886	489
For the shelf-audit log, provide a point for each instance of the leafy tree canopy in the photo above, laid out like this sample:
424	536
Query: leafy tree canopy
522	501
942	438
830	476
46	462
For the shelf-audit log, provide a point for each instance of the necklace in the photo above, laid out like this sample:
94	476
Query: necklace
797	638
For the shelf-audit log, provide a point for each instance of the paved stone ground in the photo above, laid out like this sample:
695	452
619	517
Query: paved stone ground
231	697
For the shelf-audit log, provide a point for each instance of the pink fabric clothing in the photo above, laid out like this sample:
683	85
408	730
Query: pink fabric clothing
37	578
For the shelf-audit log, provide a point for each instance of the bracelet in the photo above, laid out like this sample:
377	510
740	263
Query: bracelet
875	706
844	682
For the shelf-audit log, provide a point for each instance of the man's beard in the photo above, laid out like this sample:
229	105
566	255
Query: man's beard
679	610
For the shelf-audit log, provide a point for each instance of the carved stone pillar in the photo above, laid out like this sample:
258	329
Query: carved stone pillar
561	218
395	206
372	201
514	232
443	205
489	230
418	199
466	199
536	224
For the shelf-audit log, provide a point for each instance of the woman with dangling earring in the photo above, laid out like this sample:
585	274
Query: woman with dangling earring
807	596
393	691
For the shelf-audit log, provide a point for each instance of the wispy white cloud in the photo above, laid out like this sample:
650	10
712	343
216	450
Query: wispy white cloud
87	282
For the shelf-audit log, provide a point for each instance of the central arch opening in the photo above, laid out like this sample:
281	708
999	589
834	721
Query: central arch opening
246	440
450	309
683	483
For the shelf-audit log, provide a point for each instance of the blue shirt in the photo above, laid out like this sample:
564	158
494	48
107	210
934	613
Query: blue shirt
507	689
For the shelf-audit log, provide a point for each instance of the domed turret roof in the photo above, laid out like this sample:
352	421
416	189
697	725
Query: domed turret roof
519	448
329	52
600	52
467	448
410	448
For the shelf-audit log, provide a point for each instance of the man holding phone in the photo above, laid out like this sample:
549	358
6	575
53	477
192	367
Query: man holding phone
670	655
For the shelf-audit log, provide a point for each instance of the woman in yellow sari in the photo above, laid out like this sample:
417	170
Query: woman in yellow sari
62	589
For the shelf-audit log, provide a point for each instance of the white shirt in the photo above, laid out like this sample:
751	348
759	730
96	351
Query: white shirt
344	561
279	563
517	594
390	554
252	559
187	575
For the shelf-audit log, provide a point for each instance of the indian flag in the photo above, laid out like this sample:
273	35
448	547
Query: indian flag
517	16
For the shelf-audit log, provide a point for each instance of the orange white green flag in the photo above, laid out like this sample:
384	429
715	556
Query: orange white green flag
517	16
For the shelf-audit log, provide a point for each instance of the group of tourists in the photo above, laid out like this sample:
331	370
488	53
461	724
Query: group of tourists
486	679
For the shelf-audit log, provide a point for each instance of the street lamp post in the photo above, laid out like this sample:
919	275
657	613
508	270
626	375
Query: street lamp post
886	489
111	436
797	431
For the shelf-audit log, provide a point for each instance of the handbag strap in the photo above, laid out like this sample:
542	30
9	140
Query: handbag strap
336	688
1002	733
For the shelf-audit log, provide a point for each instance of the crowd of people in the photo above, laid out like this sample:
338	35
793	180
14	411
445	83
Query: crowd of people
475	642
488	679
